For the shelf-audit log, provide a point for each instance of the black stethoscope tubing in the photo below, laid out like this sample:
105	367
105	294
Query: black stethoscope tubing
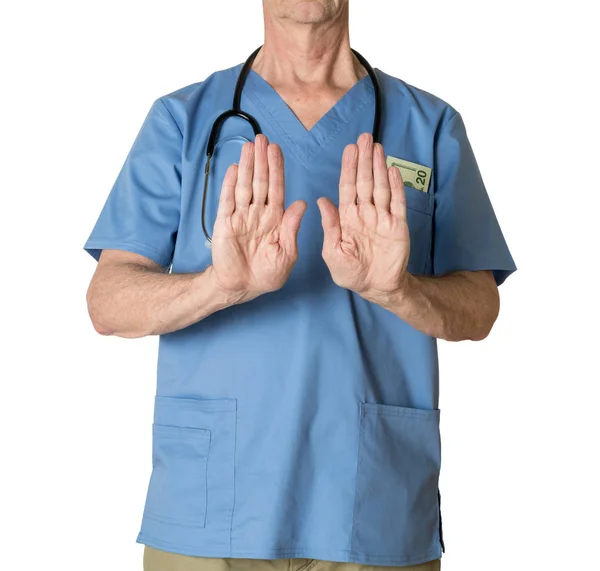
236	111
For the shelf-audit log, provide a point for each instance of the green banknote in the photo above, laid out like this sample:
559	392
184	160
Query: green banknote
414	175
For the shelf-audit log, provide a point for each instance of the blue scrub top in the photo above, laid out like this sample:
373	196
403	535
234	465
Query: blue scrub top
304	423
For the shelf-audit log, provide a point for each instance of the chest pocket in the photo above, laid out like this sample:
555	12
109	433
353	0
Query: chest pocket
419	216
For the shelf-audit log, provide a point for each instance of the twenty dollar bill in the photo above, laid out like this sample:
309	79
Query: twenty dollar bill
414	175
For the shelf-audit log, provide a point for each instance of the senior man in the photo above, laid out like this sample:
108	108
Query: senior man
298	302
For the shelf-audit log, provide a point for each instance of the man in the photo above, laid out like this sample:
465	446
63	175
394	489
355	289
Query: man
296	415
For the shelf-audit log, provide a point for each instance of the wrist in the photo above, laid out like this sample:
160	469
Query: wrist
220	296
396	297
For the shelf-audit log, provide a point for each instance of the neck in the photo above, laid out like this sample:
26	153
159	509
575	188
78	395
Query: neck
308	55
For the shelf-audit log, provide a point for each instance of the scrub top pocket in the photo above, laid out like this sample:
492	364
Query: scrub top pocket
396	511
179	464
191	489
419	210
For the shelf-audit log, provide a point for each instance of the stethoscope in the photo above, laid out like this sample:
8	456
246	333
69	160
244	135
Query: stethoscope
237	112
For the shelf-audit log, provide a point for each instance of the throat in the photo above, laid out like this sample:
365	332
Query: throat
310	91
310	107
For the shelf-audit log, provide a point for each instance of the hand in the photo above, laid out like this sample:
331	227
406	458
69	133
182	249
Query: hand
366	245
254	243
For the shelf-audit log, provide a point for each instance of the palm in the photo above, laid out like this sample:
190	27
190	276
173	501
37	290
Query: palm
254	243
366	245
372	248
248	254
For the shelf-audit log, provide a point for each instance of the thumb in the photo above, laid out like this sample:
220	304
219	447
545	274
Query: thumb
290	224
330	220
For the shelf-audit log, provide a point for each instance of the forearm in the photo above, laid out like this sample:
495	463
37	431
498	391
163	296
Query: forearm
454	307
131	300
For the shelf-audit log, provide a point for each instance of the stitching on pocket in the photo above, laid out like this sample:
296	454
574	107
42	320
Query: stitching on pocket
422	200
361	413
198	438
371	451
394	410
171	431
420	206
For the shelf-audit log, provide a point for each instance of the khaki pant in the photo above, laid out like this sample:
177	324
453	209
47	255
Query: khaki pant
157	560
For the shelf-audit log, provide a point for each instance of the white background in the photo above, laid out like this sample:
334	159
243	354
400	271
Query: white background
519	410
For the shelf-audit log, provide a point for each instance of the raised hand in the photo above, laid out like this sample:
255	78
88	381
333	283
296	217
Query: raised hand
366	244
254	245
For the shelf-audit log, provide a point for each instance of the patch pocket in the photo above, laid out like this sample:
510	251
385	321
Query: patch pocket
179	465
191	489
419	210
396	511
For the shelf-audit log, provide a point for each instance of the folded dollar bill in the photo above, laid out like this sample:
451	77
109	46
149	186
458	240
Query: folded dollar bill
413	175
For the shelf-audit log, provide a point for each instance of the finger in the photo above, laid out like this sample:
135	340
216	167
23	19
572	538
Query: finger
330	220
276	193
290	225
364	174
243	189
381	190
227	197
398	198
260	181
348	176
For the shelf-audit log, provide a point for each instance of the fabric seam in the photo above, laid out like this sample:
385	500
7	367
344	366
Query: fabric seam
269	116
234	465
98	244
300	552
308	566
341	124
171	116
181	183
358	458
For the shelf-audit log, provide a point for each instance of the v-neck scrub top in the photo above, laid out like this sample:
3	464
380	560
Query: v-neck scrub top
304	423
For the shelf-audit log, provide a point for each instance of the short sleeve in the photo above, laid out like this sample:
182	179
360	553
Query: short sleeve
467	235
141	213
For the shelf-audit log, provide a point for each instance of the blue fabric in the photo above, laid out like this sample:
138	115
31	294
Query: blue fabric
141	213
466	232
304	423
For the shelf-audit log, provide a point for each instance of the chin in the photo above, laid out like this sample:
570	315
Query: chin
312	11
